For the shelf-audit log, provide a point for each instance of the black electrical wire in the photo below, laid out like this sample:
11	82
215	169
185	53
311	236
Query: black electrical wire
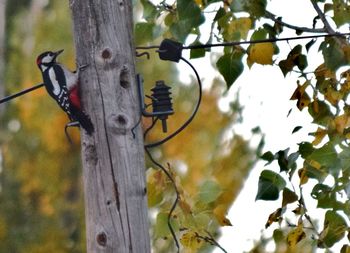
172	209
155	144
10	97
154	121
202	46
152	145
236	43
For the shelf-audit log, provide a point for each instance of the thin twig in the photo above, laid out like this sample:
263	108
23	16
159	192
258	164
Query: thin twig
296	28
214	241
322	17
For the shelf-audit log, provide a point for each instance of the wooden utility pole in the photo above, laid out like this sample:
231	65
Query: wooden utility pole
113	159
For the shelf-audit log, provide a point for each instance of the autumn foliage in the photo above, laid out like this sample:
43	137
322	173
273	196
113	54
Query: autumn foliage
41	206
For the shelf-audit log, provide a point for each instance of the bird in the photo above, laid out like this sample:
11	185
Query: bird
63	86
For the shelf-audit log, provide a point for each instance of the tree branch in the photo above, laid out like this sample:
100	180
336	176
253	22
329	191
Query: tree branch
321	15
296	28
327	26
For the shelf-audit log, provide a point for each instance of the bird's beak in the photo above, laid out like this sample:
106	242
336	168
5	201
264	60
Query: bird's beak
57	53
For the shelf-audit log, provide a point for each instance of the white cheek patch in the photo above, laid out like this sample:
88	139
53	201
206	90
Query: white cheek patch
46	59
55	84
43	68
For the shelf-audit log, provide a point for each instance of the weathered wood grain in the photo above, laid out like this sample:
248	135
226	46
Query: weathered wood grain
113	159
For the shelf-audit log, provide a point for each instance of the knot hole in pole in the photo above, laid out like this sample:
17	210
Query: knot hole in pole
119	123
101	239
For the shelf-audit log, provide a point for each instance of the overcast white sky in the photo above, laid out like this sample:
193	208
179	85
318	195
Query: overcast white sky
265	93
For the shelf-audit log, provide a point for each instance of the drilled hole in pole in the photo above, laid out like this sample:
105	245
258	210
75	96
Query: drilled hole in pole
125	77
122	120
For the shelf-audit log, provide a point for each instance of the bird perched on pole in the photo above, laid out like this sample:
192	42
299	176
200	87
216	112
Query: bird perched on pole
63	86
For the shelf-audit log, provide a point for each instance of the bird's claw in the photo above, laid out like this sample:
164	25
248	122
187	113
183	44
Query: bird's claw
70	124
81	66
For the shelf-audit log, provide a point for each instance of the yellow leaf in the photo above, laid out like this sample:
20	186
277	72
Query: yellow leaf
341	122
300	95
323	72
220	215
238	28
276	216
319	135
303	177
199	2
260	53
299	210
314	164
333	96
191	241
186	208
295	236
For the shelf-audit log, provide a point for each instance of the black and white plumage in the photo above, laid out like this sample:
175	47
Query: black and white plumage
63	86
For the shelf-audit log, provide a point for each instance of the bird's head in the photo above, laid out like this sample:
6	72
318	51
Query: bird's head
47	58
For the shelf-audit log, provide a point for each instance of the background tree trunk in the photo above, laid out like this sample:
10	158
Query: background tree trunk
113	159
2	46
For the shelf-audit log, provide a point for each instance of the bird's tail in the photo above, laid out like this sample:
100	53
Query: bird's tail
83	119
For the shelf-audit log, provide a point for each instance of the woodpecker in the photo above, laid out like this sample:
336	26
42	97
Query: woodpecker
63	86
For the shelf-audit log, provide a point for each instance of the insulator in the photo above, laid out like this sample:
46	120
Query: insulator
161	102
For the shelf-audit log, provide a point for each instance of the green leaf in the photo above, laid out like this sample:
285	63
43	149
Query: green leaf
189	16
149	10
313	171
268	156
294	58
209	191
333	54
305	149
257	8
270	184
197	53
161	228
296	129
145	32
301	62
254	7
219	14
334	229
238	5
286	66
326	156
320	112
324	195
341	12
230	67
310	44
344	157
278	236
282	159
288	197
259	34
154	195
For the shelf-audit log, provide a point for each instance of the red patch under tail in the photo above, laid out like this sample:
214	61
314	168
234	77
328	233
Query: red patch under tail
74	97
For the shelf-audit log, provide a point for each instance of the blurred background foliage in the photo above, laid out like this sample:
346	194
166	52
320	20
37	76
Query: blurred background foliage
41	197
